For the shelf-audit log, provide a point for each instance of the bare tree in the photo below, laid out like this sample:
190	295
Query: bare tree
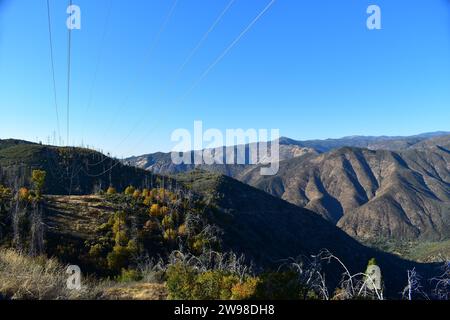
413	287
441	289
36	231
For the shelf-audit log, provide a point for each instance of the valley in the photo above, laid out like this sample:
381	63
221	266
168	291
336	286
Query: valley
324	209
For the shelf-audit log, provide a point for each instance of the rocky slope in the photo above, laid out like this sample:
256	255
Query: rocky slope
371	193
289	148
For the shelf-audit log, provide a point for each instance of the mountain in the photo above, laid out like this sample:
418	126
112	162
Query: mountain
374	188
69	170
371	194
162	162
289	148
266	229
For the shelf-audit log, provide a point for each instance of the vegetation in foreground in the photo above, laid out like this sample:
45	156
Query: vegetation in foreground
157	243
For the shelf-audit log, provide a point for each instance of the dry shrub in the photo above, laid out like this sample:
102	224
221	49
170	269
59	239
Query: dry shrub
35	278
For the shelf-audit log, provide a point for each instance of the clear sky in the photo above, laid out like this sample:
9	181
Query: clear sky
308	67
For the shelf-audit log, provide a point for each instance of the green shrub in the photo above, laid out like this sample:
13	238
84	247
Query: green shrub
185	283
129	275
210	285
180	281
118	258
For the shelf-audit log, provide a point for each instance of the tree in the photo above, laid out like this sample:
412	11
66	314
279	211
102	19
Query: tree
111	191
167	222
118	258
38	180
154	210
24	194
129	190
136	194
164	211
145	193
170	235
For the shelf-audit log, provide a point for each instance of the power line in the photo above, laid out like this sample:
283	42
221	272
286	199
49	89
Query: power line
225	52
53	67
69	49
185	62
210	67
152	47
147	57
97	66
205	36
216	61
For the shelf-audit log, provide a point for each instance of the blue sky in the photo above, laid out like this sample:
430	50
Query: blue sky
310	68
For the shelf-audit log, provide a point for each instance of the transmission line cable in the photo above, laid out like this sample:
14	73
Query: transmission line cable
50	37
69	57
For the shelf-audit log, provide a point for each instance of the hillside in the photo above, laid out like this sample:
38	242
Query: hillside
289	148
224	214
267	230
371	194
69	170
162	163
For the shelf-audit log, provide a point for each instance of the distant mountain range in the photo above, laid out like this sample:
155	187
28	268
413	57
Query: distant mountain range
160	162
372	187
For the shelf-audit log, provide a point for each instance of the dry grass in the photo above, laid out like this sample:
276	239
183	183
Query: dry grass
35	278
23	277
38	278
136	291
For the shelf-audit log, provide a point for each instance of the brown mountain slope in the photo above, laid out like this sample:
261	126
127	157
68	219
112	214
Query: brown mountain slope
371	194
289	148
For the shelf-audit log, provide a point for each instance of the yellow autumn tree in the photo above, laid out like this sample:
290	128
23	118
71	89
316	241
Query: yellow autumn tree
24	194
154	210
111	191
38	180
129	190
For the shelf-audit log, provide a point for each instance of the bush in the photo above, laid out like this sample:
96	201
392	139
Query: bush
180	281
129	275
185	283
111	191
211	285
118	258
245	290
